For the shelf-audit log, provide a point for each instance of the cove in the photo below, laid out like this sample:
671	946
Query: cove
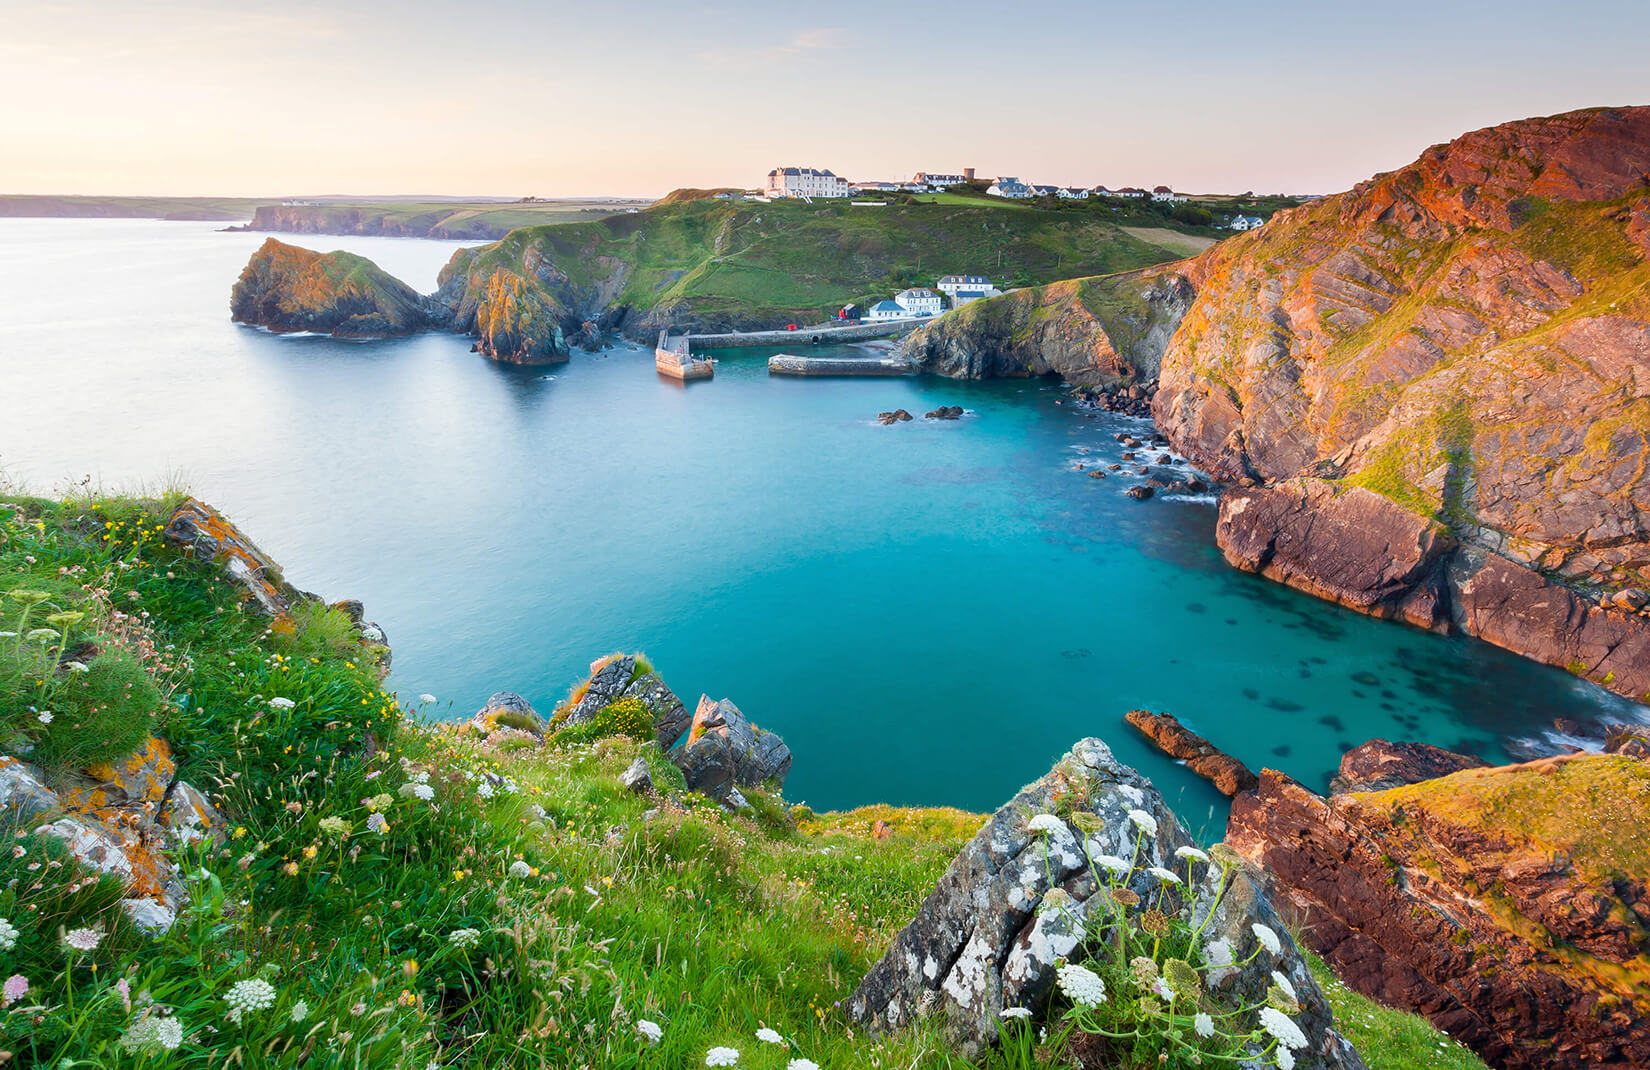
928	612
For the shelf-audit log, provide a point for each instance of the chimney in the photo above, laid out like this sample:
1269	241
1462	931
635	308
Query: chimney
968	174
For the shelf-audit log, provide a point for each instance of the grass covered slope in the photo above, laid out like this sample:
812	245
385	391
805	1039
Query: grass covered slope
389	892
734	264
287	288
405	218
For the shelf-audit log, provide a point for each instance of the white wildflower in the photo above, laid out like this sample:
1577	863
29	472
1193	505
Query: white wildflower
538	812
1144	822
1045	824
82	939
44	717
8	935
1016	1012
281	704
1218	954
1204	1025
1268	939
1283	983
300	1011
169	1033
801	1064
1168	876
1283	1027
722	1057
1192	853
378	823
1161	989
416	790
254	995
151	1031
77	666
1110	862
463	938
769	1036
518	868
1286	1059
484	789
427	699
650	1030
1082	985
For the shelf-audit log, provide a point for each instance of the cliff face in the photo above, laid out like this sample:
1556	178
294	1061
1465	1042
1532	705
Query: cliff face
1091	332
286	288
1508	905
1469	339
345	219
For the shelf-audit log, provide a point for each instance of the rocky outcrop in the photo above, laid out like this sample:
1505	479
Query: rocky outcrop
1467	338
1091	332
1367	552
1226	773
1508	905
287	288
725	752
621	676
1379	765
513	319
509	710
1018	900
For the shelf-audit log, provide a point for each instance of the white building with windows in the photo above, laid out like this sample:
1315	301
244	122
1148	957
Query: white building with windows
950	284
1132	192
1012	188
1247	222
1074	193
920	301
1164	194
805	182
939	181
887	310
1045	191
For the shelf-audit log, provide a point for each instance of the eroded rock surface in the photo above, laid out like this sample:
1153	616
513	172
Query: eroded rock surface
1379	764
980	943
725	752
1226	773
1507	905
289	288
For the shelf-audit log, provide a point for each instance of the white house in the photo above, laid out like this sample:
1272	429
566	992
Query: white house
805	182
938	181
1101	191
886	310
963	297
1246	222
1074	193
1134	192
920	301
1011	188
874	187
1045	191
950	284
1166	195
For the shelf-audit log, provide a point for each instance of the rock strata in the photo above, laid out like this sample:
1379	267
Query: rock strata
1505	904
981	942
725	752
288	288
1226	773
1379	765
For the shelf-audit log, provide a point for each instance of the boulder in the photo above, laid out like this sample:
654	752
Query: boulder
944	412
1140	492
1226	773
206	534
670	717
609	677
23	791
897	416
137	782
507	709
638	777
724	751
1014	902
1378	765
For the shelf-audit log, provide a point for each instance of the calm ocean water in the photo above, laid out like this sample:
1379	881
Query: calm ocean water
929	612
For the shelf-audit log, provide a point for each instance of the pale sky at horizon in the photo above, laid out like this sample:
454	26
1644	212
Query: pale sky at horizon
636	97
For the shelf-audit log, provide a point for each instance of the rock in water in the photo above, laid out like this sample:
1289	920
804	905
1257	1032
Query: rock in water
1225	772
980	943
1378	765
1500	903
287	288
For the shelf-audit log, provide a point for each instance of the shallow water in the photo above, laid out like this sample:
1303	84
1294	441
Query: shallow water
928	612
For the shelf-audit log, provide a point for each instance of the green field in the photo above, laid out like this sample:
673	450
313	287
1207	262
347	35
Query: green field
748	264
208	208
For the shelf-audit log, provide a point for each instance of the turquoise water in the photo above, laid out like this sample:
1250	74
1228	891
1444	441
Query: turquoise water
928	612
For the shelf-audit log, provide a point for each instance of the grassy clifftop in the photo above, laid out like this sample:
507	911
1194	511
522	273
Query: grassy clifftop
737	263
376	888
287	288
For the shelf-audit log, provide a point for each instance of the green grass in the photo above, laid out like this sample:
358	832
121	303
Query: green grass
361	840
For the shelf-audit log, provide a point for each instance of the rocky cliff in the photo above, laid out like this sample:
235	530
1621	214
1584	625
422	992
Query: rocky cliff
1509	905
1102	331
286	288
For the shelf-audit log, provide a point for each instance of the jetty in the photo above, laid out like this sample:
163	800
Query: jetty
790	364
673	358
856	332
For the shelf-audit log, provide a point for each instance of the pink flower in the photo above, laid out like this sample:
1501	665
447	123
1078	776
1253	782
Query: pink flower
125	990
16	987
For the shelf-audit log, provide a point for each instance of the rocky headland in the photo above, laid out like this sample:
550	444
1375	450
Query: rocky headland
1508	905
287	288
1429	393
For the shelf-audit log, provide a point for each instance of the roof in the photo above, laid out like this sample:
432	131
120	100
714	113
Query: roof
973	293
918	291
963	278
1161	189
887	306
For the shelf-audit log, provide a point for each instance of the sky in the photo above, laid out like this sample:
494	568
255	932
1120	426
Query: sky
637	97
